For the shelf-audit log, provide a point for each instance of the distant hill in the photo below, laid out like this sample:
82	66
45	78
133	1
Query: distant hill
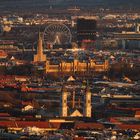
21	4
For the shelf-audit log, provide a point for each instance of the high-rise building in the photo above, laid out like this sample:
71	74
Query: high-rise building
86	30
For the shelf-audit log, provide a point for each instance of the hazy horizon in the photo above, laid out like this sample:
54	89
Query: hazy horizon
21	4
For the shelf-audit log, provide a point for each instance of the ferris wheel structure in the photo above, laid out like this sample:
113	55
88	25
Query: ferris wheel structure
57	34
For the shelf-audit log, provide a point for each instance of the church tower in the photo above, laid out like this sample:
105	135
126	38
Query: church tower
87	111
40	57
64	104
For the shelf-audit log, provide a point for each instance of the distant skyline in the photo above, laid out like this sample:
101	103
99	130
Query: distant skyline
27	4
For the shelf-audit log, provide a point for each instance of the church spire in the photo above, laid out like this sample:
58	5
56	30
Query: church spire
39	57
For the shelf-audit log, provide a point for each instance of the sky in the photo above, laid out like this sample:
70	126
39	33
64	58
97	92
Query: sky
12	4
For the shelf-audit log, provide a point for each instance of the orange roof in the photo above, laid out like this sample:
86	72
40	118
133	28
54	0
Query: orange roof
79	138
4	115
128	126
22	124
82	125
3	53
137	113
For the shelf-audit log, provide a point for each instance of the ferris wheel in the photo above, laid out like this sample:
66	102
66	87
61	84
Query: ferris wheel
57	34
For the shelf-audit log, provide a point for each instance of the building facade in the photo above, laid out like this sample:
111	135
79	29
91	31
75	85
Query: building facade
77	66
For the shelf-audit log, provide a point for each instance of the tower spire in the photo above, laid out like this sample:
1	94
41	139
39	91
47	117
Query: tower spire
39	57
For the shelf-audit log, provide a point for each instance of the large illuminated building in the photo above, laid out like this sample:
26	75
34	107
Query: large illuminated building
77	67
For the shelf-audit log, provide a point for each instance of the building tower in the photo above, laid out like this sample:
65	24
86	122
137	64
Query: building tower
40	57
137	28
87	111
64	104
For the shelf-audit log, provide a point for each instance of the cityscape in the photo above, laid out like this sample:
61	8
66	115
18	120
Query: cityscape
69	70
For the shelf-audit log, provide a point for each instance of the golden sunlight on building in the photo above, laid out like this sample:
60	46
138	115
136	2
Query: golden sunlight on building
77	66
40	57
